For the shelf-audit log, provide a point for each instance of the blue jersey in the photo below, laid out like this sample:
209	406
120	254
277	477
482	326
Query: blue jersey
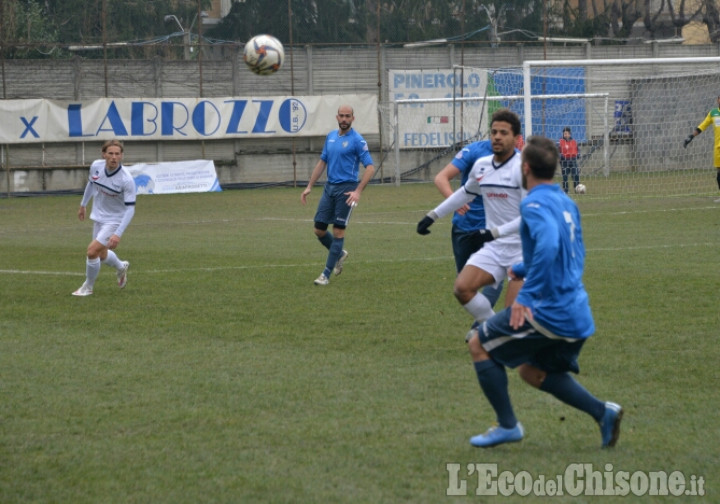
343	155
553	260
464	161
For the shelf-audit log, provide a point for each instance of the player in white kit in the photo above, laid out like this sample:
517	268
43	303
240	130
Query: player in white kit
112	189
498	179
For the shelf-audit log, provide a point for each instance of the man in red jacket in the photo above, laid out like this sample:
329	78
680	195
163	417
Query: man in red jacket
568	158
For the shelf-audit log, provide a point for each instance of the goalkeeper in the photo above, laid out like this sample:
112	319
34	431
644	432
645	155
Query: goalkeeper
713	117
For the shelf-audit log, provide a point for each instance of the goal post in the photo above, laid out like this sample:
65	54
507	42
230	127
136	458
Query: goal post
680	63
424	133
658	102
472	127
629	117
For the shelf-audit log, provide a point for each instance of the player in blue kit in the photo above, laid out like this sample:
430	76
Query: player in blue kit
543	331
112	190
342	154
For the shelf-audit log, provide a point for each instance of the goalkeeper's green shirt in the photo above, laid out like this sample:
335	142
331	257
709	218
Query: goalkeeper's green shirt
713	118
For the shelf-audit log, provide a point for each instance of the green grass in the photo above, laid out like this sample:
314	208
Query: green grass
222	374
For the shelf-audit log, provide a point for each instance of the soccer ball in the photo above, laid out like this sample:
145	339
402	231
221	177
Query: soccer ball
580	189
264	54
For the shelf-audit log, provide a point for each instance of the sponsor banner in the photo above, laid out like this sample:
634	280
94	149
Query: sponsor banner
41	120
433	125
175	177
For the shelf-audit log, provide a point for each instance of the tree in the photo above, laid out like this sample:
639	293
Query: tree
712	20
83	21
26	30
318	21
618	18
97	21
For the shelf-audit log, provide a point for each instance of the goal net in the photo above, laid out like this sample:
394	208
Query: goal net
628	117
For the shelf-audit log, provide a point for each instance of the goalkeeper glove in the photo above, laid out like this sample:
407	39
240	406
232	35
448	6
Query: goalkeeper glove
486	235
688	140
424	224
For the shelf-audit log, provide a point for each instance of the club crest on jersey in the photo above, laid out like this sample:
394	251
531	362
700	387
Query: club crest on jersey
345	144
96	175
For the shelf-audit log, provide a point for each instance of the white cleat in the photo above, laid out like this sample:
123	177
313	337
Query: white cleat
339	264
122	274
322	280
83	291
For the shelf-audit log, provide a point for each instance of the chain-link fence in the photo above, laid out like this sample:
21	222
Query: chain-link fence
219	72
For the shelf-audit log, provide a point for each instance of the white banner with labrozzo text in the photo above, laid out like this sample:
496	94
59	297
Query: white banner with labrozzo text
41	120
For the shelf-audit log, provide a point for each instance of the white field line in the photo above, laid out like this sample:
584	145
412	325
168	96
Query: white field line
11	232
80	273
376	261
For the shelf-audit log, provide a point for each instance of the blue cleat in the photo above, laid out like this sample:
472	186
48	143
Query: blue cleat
498	435
610	424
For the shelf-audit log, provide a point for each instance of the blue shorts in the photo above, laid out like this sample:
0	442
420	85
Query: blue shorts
526	345
333	208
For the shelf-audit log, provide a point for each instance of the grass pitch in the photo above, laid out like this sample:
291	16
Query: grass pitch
222	374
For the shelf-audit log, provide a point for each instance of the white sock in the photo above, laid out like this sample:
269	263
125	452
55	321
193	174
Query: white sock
479	307
112	260
92	268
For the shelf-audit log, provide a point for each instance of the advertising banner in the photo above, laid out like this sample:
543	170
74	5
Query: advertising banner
40	120
433	124
175	177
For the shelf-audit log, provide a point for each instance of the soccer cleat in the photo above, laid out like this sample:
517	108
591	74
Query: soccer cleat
498	435
322	280
339	264
83	291
610	424
122	274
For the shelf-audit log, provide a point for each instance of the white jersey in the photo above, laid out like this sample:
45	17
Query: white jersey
500	186
112	193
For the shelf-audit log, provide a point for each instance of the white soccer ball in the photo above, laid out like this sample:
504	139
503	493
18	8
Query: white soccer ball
580	189
264	54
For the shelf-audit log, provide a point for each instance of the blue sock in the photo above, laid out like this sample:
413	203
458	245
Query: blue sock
492	293
494	383
326	240
564	387
335	252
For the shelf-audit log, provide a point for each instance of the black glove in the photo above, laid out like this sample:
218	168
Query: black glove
484	236
688	140
424	224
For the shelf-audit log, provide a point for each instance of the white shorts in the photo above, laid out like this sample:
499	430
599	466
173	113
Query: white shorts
102	232
496	258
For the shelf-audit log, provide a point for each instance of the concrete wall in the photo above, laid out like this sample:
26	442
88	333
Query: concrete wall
313	71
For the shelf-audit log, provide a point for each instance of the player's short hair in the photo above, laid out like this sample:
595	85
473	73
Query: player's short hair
541	155
508	116
112	143
567	128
